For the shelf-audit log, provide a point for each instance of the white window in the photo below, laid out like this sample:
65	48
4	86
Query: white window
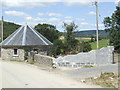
15	53
35	50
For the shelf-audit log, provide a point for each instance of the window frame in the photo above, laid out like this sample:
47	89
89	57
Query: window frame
14	52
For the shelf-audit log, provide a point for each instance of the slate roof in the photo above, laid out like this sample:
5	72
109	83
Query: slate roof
26	36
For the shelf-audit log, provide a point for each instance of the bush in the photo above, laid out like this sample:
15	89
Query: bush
85	47
58	47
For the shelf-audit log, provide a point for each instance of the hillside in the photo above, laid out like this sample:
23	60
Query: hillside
89	33
9	28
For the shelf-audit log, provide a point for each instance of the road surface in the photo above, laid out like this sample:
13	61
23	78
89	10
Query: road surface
80	74
21	75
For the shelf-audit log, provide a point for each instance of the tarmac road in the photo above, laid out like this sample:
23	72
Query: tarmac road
80	74
21	75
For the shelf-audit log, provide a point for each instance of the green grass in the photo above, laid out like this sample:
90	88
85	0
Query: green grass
31	62
89	66
102	43
117	54
15	60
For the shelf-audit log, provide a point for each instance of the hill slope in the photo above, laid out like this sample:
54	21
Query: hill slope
89	33
9	28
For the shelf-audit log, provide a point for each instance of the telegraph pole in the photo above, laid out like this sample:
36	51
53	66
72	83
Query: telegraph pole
96	4
1	31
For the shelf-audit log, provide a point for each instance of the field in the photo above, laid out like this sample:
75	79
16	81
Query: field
102	43
83	39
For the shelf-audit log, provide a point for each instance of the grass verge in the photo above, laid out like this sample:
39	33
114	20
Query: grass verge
107	79
89	66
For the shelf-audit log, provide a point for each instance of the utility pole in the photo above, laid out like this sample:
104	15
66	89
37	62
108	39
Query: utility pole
96	4
1	31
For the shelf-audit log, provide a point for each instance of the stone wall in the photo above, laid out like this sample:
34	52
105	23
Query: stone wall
104	55
43	60
7	54
94	57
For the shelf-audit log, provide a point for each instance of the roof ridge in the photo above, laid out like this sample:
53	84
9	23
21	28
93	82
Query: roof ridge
14	34
24	35
38	35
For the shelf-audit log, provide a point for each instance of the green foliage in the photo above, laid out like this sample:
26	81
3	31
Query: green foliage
70	40
48	31
58	47
102	43
92	38
112	25
31	62
9	28
89	66
16	60
85	47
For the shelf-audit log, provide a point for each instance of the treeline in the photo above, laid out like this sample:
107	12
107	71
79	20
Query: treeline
88	33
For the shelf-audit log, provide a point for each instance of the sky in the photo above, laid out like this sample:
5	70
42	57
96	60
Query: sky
55	12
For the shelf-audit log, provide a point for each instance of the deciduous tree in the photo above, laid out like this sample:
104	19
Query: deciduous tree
112	25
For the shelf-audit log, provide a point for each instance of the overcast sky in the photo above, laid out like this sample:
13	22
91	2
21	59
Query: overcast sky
56	12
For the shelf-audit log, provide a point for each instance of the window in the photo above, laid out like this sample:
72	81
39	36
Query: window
15	52
36	51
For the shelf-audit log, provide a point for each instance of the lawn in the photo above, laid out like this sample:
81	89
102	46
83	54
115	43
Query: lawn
102	43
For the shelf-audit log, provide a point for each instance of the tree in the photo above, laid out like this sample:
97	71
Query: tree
58	47
48	31
112	25
70	40
92	38
85	47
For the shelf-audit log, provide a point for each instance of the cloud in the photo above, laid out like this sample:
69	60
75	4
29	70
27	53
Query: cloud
29	18
86	2
16	14
68	21
27	3
54	14
50	14
92	13
118	2
79	2
53	20
41	14
84	23
80	19
68	17
99	25
45	3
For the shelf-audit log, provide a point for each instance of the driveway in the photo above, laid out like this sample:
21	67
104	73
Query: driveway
22	75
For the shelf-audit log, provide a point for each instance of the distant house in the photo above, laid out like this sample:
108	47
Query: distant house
23	43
